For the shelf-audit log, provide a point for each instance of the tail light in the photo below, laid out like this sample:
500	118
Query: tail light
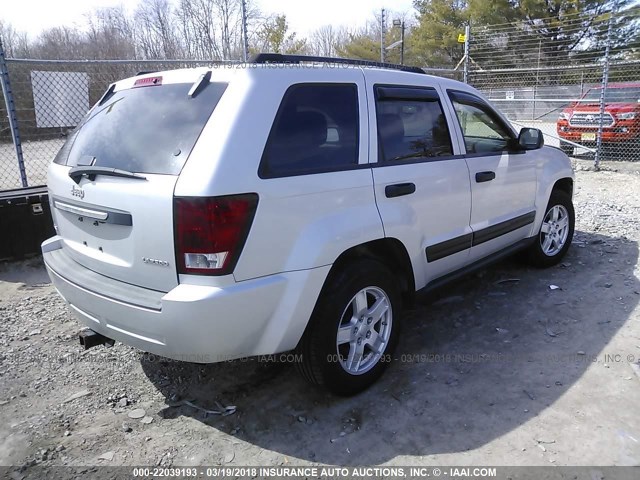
210	232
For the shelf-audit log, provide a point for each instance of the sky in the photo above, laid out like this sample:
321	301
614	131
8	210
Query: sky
303	16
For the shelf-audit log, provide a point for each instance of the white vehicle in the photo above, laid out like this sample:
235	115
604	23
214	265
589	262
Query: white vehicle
291	204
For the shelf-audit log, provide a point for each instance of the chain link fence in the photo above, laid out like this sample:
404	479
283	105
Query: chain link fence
50	99
565	103
578	81
538	76
9	173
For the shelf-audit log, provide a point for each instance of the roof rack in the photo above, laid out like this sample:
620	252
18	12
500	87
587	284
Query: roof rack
295	59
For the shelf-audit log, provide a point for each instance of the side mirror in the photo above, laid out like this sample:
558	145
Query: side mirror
530	139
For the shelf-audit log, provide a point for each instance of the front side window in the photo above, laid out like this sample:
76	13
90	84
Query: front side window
315	130
482	129
411	125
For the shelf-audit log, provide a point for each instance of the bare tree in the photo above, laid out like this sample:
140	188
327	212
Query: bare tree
16	43
158	29
199	25
60	42
156	35
326	40
212	29
8	37
229	15
110	34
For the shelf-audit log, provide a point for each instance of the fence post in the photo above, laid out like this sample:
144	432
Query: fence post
382	35
603	89
11	113
535	86
245	35
465	69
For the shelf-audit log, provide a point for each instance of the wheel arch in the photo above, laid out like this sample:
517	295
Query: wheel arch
554	173
389	251
318	343
564	184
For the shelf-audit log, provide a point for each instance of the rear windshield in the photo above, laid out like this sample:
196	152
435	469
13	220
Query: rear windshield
146	129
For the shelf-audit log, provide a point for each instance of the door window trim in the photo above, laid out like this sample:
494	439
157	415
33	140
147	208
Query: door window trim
405	92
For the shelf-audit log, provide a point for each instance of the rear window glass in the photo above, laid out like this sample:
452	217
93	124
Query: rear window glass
315	130
146	129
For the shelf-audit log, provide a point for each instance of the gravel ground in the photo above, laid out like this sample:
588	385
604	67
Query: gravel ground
497	369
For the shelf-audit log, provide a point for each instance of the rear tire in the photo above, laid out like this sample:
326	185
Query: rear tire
556	232
354	328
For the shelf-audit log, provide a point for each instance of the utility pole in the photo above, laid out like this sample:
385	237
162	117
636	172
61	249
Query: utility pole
399	23
245	39
402	44
382	32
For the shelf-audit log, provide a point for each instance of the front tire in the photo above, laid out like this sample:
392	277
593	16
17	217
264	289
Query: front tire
556	232
354	328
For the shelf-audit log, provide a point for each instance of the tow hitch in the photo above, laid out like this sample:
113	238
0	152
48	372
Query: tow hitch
89	339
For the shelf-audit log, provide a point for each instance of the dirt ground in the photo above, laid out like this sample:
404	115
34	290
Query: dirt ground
511	366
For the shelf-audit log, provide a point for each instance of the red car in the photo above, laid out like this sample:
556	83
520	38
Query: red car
579	121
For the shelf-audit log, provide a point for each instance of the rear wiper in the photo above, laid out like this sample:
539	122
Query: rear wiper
76	173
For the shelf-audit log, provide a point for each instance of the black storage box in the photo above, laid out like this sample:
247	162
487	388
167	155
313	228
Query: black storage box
25	222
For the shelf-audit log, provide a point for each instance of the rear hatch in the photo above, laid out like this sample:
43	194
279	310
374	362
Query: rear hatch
111	185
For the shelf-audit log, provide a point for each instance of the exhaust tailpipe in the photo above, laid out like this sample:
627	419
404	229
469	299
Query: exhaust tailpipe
90	339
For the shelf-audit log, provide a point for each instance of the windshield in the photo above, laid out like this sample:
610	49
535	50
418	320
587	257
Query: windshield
621	94
146	129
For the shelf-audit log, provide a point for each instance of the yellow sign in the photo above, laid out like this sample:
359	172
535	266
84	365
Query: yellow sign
462	38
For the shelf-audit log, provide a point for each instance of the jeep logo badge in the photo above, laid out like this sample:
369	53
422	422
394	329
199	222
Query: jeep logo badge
77	192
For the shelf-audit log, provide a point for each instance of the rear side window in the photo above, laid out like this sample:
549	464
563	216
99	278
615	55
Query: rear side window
148	129
411	124
315	130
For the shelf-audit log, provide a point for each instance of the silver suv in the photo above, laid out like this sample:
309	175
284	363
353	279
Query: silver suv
291	203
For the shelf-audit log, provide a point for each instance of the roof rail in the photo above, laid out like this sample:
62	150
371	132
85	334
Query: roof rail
296	59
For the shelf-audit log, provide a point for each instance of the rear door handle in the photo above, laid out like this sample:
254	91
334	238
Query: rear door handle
399	189
485	176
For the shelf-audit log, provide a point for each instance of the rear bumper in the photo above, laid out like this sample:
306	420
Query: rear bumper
192	323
